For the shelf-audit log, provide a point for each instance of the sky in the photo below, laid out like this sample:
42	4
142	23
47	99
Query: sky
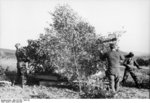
21	20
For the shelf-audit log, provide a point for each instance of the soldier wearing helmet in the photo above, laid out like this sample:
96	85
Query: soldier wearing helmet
130	64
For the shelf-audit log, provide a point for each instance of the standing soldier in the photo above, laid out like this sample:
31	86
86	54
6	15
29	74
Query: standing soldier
113	58
130	64
21	64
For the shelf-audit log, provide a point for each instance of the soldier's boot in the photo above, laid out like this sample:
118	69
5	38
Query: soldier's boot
12	82
17	80
21	84
117	81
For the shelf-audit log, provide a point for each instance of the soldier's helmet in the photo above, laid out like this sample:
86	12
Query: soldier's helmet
131	54
17	45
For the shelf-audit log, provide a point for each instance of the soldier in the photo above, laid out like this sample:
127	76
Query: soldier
21	64
130	64
113	58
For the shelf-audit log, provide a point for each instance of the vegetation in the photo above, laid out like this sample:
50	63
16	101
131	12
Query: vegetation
143	62
69	47
41	92
6	53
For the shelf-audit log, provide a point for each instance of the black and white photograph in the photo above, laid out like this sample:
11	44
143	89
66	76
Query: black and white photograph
74	49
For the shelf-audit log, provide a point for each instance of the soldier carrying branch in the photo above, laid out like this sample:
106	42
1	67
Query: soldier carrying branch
113	58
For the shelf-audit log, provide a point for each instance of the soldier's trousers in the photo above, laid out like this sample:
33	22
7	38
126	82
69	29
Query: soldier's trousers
126	75
21	73
23	80
114	82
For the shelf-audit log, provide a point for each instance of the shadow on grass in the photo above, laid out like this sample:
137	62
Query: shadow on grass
68	86
40	96
143	85
57	84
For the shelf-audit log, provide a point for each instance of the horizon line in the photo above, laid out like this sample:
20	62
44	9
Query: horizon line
135	52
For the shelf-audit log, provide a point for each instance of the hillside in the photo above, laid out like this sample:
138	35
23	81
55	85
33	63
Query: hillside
7	53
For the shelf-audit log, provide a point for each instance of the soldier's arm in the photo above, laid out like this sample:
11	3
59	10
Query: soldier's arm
136	64
125	62
122	58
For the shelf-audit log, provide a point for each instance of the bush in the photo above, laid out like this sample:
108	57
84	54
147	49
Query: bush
95	88
143	62
69	47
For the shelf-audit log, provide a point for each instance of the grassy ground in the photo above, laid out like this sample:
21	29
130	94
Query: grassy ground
36	92
32	92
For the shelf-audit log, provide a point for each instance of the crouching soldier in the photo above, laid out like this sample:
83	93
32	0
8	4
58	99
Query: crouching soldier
130	64
21	65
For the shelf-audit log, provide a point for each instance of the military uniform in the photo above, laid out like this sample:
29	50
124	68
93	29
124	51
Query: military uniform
130	64
21	66
113	60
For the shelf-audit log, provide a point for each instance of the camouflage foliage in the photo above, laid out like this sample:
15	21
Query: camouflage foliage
69	46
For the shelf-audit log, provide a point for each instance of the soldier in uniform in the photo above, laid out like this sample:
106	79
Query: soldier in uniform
21	65
113	58
130	64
